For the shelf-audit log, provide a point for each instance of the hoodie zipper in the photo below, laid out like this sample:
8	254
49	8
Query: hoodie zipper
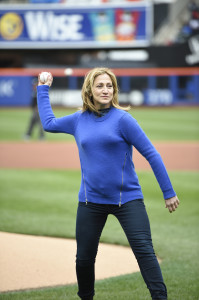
85	190
120	203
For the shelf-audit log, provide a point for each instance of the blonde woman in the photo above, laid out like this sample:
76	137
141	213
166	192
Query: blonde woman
105	135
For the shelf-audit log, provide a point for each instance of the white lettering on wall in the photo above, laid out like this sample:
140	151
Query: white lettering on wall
48	26
66	98
193	58
158	97
6	88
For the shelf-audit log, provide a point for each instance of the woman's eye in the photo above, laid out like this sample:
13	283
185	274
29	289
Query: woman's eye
101	86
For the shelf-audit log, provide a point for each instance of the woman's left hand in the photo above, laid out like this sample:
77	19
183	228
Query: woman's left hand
172	203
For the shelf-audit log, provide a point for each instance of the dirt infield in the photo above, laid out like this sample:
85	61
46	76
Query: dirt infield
32	262
44	155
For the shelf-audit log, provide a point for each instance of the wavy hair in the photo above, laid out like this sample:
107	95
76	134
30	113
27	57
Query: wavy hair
87	97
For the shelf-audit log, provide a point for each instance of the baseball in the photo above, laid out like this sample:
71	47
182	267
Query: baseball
44	77
68	71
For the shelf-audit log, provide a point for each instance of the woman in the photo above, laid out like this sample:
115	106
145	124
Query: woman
105	134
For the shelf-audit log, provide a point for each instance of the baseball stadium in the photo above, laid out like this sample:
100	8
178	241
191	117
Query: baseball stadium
50	161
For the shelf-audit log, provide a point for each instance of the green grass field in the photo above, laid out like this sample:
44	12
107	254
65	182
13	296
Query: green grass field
160	123
44	202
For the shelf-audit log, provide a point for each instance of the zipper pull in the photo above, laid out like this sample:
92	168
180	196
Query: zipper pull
86	201
120	204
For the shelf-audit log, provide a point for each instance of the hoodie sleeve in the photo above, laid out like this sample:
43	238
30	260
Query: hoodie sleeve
134	135
49	122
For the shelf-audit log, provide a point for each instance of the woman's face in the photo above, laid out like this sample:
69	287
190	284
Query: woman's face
102	91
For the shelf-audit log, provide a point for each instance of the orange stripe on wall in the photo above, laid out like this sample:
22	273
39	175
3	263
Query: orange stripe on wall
59	72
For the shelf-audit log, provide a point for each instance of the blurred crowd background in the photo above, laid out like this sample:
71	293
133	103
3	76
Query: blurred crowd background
153	45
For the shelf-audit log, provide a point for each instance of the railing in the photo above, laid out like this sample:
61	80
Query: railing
154	86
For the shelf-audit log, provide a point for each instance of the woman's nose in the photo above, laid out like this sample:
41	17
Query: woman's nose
105	90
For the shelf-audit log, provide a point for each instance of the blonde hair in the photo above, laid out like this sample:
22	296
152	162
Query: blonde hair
87	89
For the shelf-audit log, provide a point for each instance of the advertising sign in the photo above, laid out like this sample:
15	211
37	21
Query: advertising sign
35	26
15	91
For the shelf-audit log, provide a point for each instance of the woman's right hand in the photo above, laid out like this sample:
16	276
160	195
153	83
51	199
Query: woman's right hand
48	82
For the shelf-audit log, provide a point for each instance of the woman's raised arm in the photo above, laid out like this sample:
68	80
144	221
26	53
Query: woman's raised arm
49	122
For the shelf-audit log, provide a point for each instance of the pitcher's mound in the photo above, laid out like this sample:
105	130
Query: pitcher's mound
32	262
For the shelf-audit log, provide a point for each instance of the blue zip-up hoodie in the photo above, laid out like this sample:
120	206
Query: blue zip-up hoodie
105	147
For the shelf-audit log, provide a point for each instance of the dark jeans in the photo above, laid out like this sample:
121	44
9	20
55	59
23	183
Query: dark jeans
133	218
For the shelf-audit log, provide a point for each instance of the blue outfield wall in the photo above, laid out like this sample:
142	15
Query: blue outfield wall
17	91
